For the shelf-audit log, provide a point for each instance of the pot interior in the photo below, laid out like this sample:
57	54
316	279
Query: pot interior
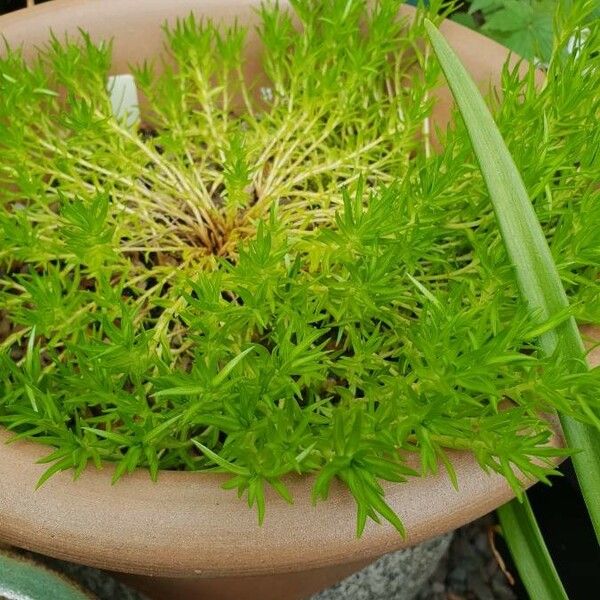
138	36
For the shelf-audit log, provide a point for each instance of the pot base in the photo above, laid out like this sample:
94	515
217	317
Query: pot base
395	576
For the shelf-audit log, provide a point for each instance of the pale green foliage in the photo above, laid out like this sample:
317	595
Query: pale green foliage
284	280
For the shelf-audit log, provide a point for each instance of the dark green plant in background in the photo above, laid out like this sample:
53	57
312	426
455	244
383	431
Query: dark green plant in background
524	26
283	277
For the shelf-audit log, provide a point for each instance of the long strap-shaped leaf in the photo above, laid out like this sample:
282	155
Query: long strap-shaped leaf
527	546
537	276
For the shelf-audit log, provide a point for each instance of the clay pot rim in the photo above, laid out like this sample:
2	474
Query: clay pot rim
185	525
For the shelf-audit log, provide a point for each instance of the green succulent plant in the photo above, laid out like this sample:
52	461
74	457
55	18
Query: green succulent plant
269	278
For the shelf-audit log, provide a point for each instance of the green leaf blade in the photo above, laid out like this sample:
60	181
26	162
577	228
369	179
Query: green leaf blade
522	233
526	544
528	250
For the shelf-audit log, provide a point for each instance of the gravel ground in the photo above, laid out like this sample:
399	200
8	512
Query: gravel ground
468	571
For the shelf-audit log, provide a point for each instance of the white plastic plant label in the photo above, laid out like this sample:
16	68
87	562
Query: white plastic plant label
124	99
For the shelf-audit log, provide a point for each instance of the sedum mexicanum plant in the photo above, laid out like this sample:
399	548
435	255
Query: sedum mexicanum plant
282	276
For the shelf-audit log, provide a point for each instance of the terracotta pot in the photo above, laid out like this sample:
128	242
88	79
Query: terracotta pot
186	533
